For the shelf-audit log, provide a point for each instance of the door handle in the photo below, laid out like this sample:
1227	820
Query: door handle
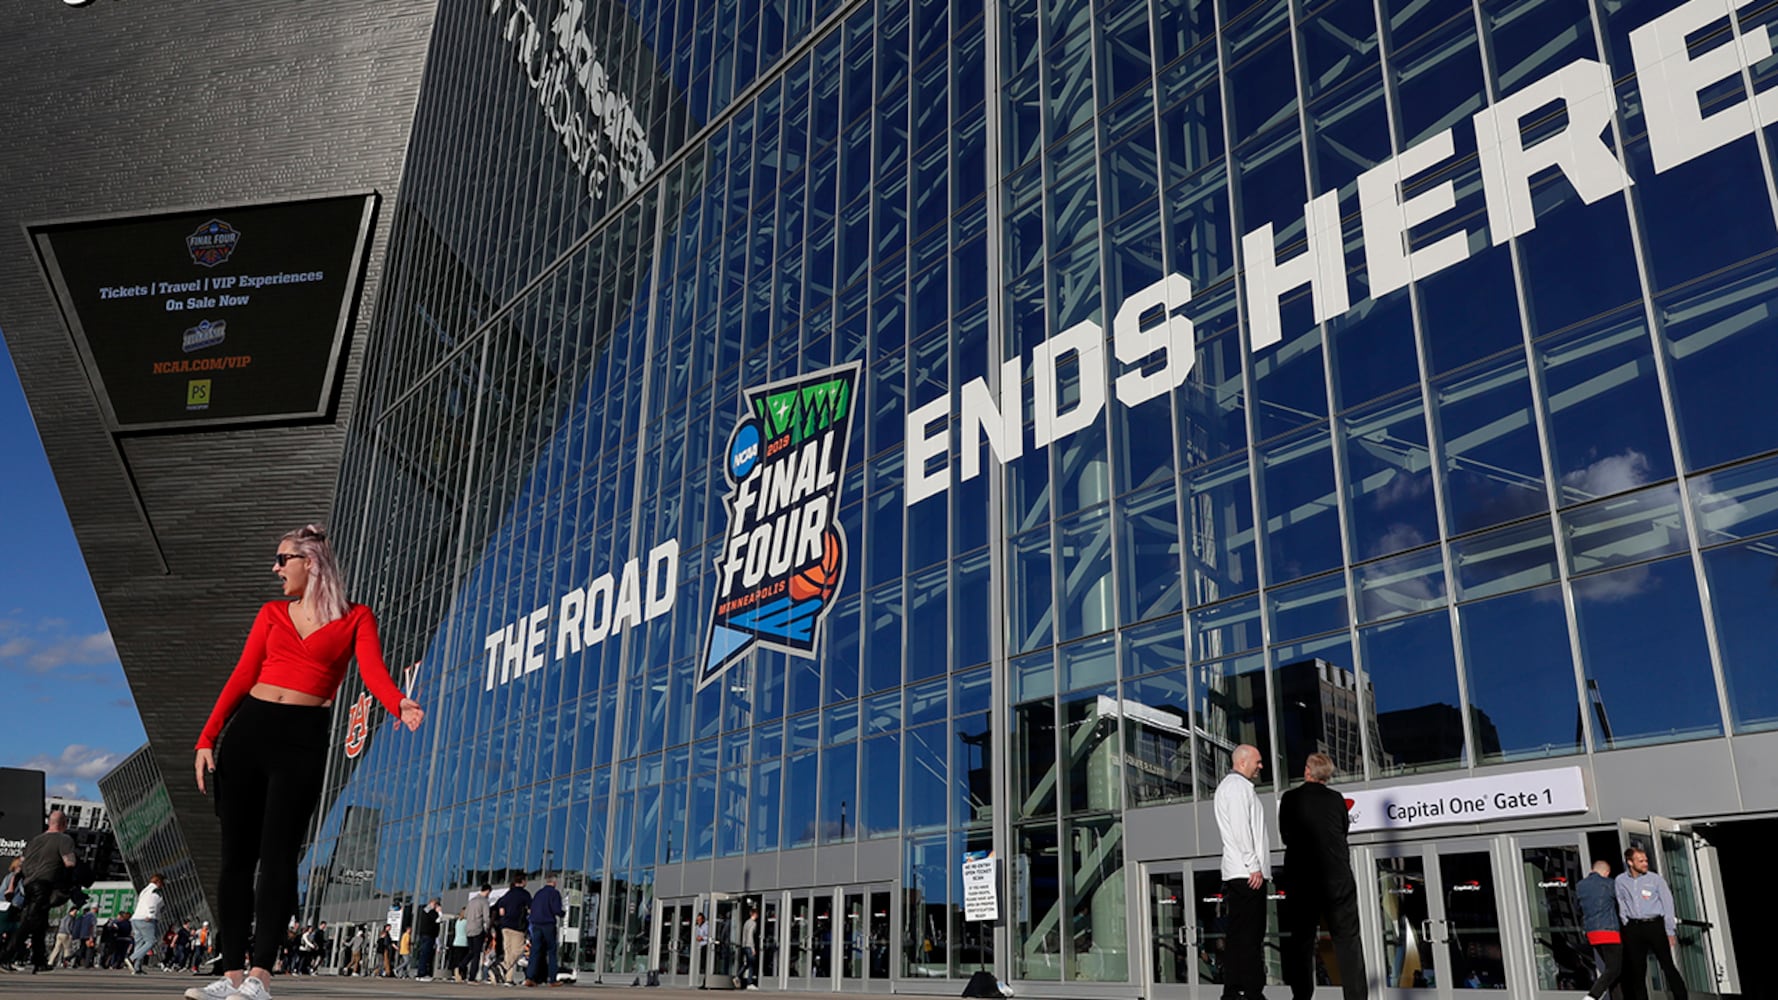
1426	930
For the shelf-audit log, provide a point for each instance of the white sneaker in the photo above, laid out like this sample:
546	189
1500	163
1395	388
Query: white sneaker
221	989
251	989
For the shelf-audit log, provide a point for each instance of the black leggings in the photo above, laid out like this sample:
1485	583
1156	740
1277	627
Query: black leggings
269	766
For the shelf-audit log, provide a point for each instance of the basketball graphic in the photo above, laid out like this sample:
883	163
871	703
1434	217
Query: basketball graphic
819	580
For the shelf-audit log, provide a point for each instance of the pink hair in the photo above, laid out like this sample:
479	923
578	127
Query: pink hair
325	596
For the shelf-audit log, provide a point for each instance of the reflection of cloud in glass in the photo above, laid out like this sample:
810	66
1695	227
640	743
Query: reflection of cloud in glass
1610	588
1406	486
1608	475
1399	538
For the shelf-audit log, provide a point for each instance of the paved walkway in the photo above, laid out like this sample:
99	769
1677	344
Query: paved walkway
118	985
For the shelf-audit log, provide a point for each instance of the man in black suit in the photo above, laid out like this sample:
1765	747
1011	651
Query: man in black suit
1318	883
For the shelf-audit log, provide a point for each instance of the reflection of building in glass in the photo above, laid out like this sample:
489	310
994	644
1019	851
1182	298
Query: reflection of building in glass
1434	733
1321	710
1157	750
336	892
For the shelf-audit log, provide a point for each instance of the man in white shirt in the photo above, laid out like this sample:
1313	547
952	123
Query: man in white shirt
1245	868
145	922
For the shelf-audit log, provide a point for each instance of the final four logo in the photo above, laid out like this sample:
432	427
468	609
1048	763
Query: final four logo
784	556
213	243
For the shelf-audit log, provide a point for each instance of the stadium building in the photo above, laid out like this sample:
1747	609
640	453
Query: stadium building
873	461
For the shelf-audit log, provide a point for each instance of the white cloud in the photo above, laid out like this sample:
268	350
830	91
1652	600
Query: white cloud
82	763
67	790
46	647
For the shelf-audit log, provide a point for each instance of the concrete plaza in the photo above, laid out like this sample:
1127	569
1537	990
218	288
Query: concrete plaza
117	985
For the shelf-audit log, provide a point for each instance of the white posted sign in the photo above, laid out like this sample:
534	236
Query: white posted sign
981	889
1469	800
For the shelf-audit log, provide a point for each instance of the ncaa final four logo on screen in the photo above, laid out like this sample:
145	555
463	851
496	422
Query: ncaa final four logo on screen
784	556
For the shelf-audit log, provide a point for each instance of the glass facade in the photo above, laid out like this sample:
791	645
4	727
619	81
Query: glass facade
1382	379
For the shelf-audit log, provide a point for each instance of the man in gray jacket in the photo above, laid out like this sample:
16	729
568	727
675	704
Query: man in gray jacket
475	919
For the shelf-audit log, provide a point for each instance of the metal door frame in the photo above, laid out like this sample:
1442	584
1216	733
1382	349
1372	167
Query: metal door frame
779	900
1719	954
1185	935
670	975
1371	918
810	983
1518	919
842	943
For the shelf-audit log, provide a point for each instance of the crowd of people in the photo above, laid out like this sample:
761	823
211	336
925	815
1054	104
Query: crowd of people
512	940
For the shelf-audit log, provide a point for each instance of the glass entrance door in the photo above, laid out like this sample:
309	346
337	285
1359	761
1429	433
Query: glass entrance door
1689	865
1185	923
769	968
1172	950
808	945
1438	928
865	938
724	953
1550	869
673	941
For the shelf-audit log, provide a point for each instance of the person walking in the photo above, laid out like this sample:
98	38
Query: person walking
750	949
145	922
546	910
1645	907
459	948
86	928
425	949
181	950
404	964
1599	920
385	953
308	950
64	946
46	865
475	929
354	953
269	764
12	899
120	941
1245	868
514	910
1319	885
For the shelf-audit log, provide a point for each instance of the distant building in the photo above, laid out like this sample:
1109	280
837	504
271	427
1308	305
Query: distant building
89	823
80	812
148	839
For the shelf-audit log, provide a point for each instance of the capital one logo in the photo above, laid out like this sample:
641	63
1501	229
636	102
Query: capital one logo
784	555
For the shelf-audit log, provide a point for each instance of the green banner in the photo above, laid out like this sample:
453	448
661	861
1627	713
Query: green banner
140	821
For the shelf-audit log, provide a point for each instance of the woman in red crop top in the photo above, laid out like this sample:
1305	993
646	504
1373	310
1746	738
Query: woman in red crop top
264	750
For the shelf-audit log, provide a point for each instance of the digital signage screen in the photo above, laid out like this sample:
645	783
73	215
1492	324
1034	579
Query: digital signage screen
21	810
213	317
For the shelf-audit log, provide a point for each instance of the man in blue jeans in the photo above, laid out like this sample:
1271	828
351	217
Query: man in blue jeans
145	923
546	909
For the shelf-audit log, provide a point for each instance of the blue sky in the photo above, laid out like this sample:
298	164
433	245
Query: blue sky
67	710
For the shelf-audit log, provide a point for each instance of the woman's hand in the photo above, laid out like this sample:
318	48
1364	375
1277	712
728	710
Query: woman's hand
205	764
412	714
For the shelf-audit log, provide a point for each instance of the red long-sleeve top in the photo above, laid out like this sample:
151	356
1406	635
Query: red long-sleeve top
277	654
